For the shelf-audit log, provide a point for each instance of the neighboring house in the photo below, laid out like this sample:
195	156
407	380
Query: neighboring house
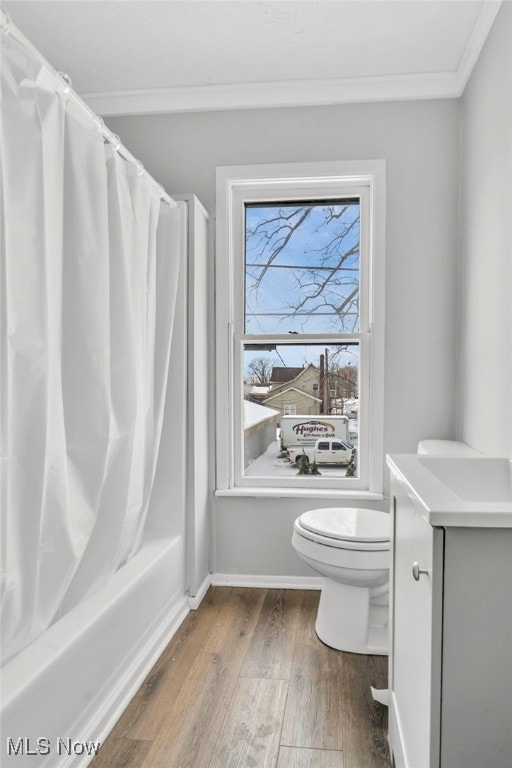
260	425
305	379
291	400
282	374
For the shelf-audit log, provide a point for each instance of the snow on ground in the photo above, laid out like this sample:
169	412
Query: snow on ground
270	464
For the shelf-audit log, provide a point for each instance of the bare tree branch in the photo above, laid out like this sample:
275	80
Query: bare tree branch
281	242
329	281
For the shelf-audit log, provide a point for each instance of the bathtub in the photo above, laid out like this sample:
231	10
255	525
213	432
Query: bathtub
63	693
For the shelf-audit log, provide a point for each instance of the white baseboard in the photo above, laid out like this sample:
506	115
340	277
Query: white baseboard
107	715
194	601
258	582
269	582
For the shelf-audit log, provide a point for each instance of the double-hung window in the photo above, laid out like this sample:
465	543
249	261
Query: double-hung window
299	319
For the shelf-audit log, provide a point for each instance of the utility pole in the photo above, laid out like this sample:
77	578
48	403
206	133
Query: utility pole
321	384
326	393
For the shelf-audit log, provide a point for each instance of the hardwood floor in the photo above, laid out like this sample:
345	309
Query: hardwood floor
245	683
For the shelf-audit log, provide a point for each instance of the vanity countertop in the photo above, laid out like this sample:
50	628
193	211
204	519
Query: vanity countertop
470	492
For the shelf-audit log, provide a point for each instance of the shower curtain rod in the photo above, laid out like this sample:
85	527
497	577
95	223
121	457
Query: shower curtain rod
8	28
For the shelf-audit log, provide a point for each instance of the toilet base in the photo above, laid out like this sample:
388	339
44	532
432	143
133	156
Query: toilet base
353	619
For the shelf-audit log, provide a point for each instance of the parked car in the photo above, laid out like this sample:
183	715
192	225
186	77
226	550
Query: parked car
330	451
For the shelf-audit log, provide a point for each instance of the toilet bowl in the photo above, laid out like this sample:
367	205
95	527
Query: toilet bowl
349	547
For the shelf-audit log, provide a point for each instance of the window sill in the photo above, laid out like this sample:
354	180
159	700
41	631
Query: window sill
301	493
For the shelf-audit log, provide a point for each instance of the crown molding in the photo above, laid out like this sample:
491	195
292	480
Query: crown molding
299	93
483	24
294	93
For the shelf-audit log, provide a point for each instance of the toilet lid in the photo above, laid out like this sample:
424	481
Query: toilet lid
347	524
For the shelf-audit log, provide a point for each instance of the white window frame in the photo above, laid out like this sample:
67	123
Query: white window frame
236	185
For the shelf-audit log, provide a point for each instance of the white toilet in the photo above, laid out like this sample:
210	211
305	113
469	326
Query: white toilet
349	547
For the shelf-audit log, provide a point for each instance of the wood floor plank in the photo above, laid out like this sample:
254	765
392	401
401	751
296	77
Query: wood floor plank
186	667
271	650
364	720
250	734
298	757
187	725
122	753
171	667
194	706
313	714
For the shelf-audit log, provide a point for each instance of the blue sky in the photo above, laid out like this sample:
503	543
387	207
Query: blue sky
312	244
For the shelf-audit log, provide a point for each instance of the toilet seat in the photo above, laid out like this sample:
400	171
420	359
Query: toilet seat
356	528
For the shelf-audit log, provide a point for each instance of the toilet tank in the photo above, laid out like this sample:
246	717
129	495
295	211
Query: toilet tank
446	448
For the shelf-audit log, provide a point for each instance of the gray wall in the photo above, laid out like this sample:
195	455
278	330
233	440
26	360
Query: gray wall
420	142
485	364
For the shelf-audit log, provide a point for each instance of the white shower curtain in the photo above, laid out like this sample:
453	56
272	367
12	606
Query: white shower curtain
89	268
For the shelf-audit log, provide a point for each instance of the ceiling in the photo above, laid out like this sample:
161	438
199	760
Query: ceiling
178	55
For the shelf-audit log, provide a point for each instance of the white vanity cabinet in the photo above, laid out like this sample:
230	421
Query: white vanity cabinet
450	666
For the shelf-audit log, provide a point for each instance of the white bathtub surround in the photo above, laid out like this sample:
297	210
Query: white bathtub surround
76	679
90	266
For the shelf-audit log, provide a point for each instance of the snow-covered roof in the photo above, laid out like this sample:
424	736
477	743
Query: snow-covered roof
257	389
290	389
255	414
